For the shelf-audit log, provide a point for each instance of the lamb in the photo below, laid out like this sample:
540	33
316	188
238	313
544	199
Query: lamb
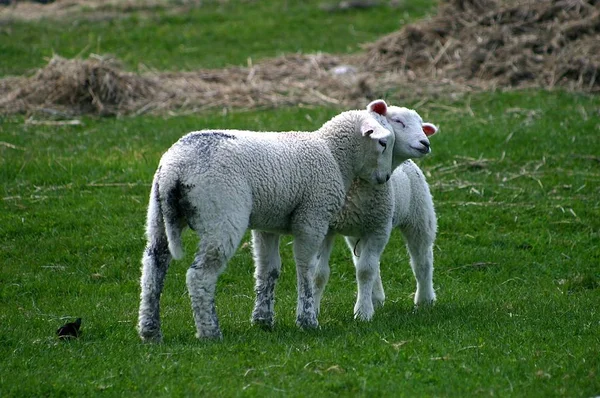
367	218
222	182
406	202
413	214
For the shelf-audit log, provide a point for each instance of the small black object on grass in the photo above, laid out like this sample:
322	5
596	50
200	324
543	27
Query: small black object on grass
69	330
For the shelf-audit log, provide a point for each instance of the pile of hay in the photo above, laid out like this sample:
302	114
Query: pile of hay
283	81
470	44
95	85
100	86
514	43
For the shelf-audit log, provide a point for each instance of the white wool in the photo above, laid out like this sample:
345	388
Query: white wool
366	219
222	182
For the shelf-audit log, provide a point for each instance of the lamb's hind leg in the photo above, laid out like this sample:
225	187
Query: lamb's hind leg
155	263
420	248
210	261
323	270
267	262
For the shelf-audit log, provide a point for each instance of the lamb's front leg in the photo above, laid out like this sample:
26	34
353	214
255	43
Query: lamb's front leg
267	262
378	297
366	254
305	252
378	294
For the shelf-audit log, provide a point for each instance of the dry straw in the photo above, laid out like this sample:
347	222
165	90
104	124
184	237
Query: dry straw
510	43
470	44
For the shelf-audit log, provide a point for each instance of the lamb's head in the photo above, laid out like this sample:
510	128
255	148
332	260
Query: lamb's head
375	164
409	129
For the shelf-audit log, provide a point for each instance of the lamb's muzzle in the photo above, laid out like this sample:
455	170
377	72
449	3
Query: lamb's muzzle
425	147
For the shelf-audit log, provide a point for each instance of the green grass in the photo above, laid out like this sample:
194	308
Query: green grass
214	35
516	267
516	183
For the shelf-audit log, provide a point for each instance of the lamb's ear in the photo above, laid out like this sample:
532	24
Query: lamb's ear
378	106
429	129
367	127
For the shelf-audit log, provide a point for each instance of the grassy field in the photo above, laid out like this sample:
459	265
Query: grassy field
516	183
218	34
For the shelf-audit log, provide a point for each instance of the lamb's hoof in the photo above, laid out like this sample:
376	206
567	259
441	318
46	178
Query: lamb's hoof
425	302
210	334
363	314
266	323
423	307
263	317
149	331
151	338
378	302
424	296
362	317
307	322
69	330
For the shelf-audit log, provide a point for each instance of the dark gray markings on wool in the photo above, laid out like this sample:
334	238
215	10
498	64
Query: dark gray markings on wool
205	140
204	144
178	203
265	300
307	318
159	252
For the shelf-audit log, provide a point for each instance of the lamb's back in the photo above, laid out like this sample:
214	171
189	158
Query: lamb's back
278	172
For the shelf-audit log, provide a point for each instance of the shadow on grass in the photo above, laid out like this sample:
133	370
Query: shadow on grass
393	318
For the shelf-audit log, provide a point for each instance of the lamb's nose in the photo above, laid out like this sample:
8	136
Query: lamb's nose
425	143
387	177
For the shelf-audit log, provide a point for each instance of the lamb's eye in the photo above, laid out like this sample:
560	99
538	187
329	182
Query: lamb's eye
383	143
399	122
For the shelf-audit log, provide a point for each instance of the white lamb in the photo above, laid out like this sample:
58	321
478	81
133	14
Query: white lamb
367	213
366	220
413	214
220	183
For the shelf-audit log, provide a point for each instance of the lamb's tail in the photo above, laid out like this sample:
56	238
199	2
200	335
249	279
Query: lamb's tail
163	221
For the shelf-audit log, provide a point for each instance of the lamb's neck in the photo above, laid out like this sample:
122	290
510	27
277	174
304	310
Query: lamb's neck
345	155
347	177
397	162
344	143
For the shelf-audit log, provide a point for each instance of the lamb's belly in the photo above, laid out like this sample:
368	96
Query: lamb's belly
272	219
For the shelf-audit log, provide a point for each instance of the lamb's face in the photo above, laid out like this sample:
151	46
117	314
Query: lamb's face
378	144
409	129
411	133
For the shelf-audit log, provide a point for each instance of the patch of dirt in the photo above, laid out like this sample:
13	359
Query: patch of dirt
469	45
